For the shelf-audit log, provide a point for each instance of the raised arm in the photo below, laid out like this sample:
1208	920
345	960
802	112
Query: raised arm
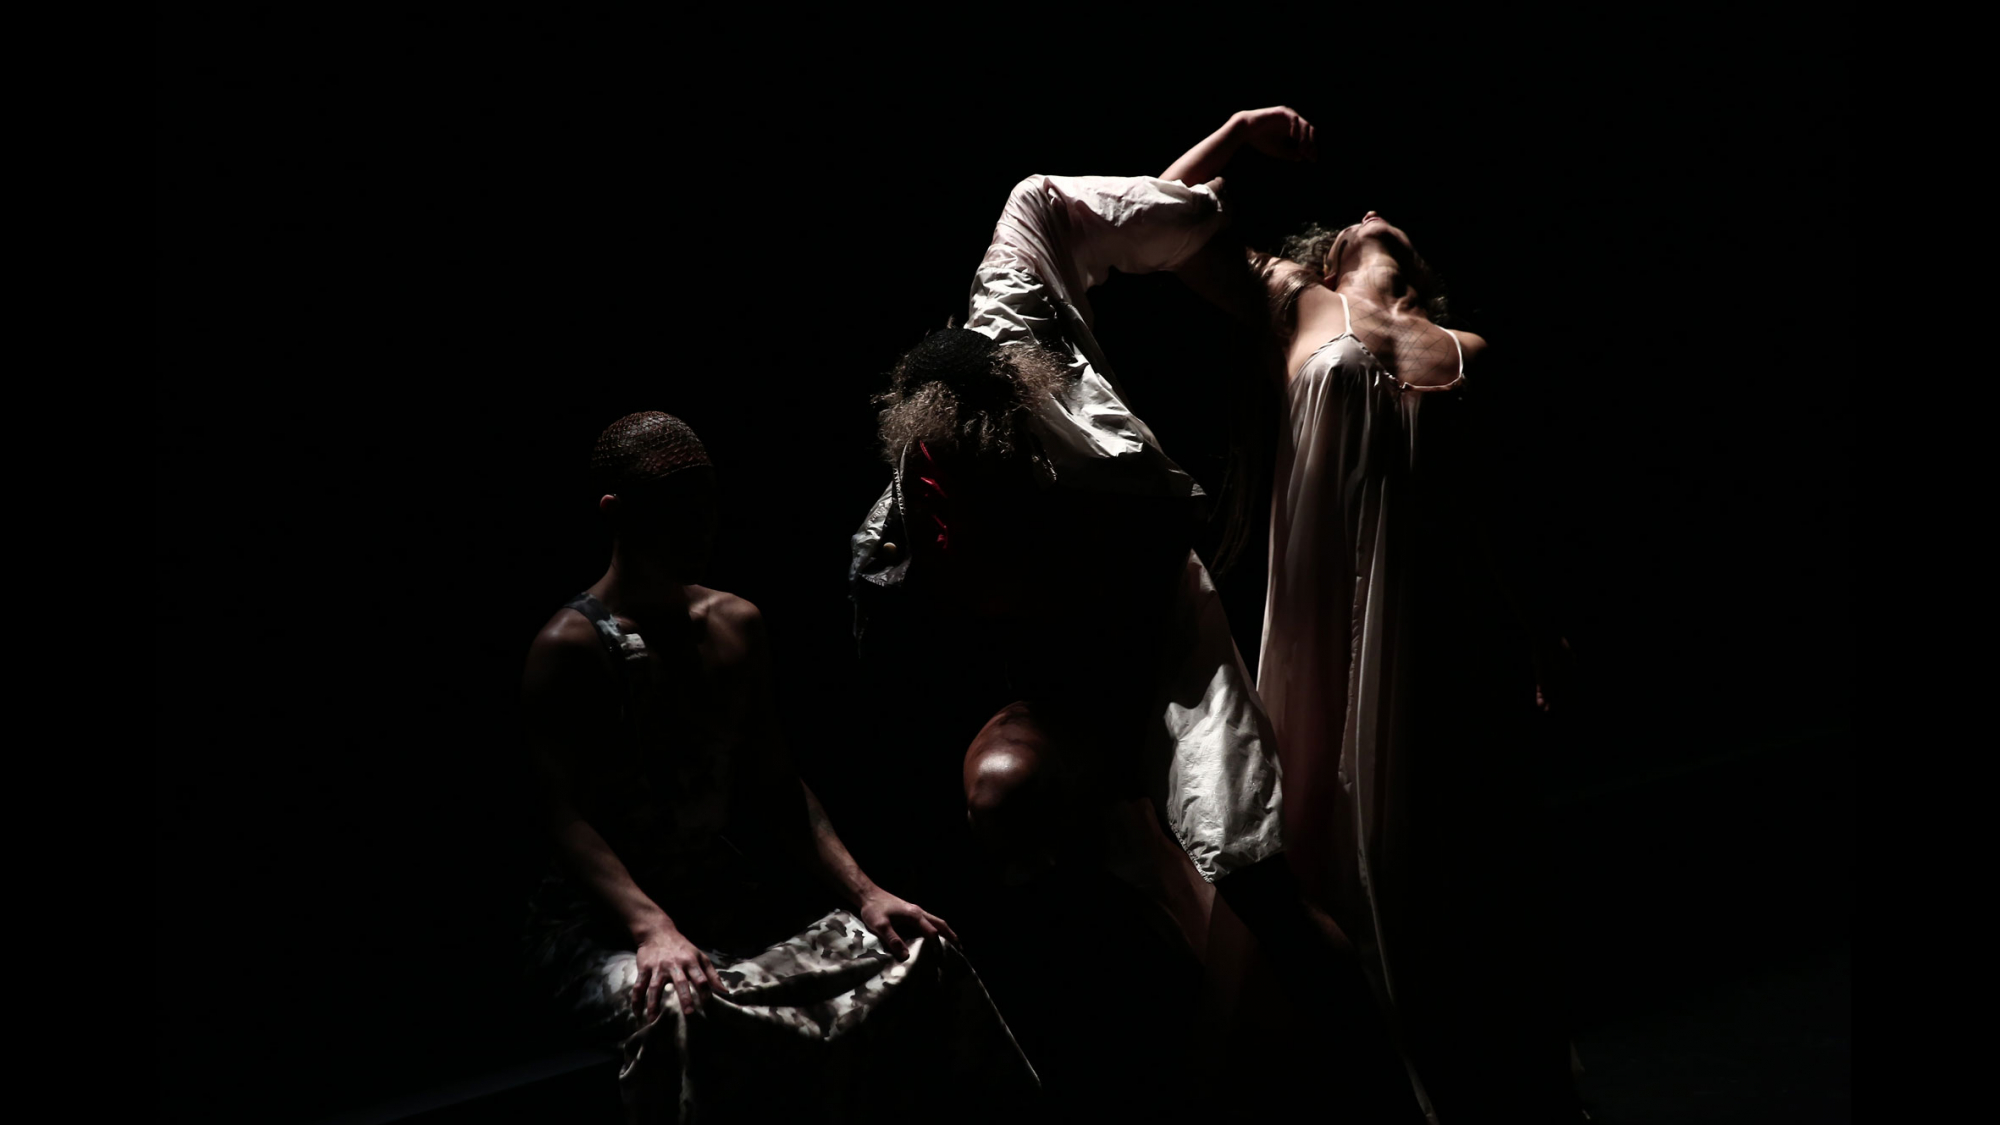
1253	287
1277	131
1066	234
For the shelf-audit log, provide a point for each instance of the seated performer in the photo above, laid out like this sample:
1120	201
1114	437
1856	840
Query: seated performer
678	922
1037	515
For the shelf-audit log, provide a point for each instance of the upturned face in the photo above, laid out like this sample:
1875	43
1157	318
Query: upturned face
1374	228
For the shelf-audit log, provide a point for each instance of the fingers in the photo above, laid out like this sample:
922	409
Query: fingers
655	982
893	941
943	926
690	1004
714	981
928	924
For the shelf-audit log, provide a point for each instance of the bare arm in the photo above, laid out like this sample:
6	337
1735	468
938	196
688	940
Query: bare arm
1251	287
1227	276
830	857
827	857
565	690
1278	131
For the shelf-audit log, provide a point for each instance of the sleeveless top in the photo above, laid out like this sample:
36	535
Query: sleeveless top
1322	362
1335	672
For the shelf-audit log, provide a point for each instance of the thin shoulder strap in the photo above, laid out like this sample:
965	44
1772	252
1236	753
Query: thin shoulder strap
1346	313
1461	350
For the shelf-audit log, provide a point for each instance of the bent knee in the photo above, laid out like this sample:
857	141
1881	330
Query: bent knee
1003	775
1009	752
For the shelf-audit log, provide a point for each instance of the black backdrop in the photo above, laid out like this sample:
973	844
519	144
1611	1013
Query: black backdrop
410	266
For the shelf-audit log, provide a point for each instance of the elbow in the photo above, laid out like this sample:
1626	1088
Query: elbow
1029	197
1028	189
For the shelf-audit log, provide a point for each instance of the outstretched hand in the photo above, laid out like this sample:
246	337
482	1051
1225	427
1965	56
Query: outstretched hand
1278	131
884	914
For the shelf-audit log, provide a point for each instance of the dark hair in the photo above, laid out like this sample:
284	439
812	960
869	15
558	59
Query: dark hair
1309	247
960	387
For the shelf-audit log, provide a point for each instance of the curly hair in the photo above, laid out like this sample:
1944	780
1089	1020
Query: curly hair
960	387
1308	248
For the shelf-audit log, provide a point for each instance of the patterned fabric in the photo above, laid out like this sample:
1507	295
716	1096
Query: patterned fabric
824	1022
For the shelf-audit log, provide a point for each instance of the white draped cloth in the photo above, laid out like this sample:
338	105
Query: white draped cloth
1211	759
1336	669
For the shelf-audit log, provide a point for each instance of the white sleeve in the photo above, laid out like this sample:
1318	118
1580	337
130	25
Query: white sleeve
1058	236
1064	234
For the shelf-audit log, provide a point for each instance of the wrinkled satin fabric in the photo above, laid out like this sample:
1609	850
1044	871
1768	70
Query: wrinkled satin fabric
825	1024
1327	671
819	1021
1212	761
1332	670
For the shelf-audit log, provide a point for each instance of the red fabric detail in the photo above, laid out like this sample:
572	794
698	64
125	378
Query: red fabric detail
933	498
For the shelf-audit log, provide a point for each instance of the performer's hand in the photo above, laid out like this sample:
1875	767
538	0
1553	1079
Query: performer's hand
1278	131
884	913
667	958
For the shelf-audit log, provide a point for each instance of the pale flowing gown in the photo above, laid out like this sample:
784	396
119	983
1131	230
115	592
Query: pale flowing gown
1384	671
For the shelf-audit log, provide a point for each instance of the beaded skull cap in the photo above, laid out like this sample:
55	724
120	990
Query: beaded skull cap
643	448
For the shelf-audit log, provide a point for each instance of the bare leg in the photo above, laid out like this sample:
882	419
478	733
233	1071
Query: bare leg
1028	809
1132	845
1281	969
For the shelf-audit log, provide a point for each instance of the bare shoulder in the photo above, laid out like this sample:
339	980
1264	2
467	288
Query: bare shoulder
564	651
729	615
566	631
723	606
1473	344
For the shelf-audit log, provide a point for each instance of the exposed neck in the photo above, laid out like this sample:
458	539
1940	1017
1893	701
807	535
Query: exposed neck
639	584
1378	277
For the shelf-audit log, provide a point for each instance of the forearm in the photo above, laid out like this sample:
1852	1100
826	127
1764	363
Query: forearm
592	861
1206	159
1222	275
830	857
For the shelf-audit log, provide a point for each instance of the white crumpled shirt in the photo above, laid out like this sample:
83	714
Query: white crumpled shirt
1217	781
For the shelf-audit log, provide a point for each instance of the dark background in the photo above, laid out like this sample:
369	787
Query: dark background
408	268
